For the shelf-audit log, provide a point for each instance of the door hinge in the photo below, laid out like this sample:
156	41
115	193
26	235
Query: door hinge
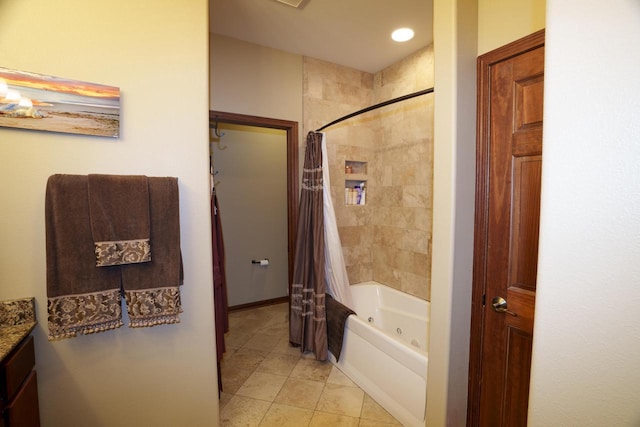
484	299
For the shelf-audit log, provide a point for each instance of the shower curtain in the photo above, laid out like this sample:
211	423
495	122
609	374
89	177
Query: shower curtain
308	320
335	270
319	263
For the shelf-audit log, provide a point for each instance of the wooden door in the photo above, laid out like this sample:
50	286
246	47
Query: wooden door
509	160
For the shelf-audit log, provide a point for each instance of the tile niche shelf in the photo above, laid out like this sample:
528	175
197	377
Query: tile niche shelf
355	183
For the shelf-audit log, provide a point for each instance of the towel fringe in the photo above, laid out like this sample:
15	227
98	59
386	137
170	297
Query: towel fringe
56	334
154	321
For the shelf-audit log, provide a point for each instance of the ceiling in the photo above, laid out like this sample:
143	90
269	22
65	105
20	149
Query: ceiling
353	33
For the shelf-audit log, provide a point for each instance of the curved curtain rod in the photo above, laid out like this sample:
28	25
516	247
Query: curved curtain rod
382	104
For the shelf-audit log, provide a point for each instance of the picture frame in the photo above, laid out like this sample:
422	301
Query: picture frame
53	104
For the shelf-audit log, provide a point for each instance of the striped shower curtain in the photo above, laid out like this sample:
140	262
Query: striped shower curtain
308	320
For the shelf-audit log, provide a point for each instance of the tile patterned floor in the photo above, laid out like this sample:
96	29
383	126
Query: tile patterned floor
268	383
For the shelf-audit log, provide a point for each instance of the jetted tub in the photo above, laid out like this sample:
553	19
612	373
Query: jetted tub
385	349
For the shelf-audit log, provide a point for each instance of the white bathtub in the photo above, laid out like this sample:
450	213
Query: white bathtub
385	349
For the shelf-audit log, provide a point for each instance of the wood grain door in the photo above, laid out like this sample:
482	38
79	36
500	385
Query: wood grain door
509	160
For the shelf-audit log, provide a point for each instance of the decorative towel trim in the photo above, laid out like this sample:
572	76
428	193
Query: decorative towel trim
88	313
150	307
122	252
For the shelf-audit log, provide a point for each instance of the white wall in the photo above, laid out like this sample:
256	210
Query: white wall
463	29
157	53
586	361
455	45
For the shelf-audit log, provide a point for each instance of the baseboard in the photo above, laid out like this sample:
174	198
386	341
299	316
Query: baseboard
258	304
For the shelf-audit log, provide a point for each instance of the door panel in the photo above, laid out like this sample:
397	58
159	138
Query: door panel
510	90
525	224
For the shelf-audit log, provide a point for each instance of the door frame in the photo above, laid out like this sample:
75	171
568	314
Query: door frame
481	225
292	169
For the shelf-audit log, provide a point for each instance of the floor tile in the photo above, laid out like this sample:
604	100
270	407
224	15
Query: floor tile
234	340
243	411
224	399
267	382
286	416
342	400
243	358
325	419
371	410
283	346
261	385
279	364
261	342
374	423
311	369
337	377
300	393
232	379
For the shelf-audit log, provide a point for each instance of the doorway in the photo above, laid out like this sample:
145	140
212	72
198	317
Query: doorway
259	268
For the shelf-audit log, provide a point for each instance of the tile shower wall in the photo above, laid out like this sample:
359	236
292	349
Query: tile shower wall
389	238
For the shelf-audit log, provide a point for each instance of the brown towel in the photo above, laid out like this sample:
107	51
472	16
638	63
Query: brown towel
82	298
337	314
152	289
119	212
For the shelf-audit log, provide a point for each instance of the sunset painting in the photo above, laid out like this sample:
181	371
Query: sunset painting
40	102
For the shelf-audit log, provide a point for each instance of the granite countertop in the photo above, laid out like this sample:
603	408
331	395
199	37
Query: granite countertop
17	320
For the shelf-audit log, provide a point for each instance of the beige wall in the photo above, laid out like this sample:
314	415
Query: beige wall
503	21
388	239
157	54
255	80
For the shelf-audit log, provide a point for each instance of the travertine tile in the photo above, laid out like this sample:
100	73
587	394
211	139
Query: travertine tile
311	369
342	400
235	340
261	342
243	358
232	379
286	416
261	385
337	377
300	393
243	411
371	410
274	329
284	347
224	399
325	419
279	364
374	423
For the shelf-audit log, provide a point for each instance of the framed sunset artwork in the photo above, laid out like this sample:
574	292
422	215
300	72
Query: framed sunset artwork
40	102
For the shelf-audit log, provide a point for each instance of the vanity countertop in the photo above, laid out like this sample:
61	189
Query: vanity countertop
17	320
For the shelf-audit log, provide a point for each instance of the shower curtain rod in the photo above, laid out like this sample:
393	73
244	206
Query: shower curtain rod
382	104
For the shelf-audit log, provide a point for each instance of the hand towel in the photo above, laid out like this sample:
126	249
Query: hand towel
151	289
119	212
337	314
82	298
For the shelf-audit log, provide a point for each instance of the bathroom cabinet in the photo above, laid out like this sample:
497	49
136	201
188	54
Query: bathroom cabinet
18	387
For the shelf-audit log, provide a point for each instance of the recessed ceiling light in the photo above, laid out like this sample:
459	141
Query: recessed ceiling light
402	34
